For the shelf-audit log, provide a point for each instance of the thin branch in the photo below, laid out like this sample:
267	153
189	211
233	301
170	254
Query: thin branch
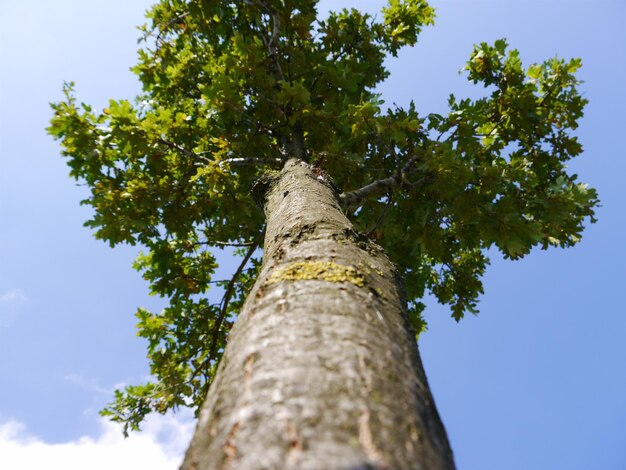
227	295
382	215
548	94
224	305
183	150
297	144
333	58
239	161
217	243
273	40
170	23
163	30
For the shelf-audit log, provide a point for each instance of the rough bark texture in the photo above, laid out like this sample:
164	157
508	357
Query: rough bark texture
321	369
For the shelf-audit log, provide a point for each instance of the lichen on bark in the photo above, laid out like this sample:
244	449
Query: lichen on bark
328	271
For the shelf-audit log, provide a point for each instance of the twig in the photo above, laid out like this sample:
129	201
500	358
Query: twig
227	295
170	23
183	150
217	243
380	217
165	28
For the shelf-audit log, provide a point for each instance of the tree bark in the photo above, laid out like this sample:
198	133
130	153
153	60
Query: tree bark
321	370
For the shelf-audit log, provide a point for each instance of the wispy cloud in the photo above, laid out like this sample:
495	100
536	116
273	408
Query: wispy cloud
10	303
13	298
160	446
89	384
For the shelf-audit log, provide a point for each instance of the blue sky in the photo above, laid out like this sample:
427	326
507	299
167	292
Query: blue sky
536	381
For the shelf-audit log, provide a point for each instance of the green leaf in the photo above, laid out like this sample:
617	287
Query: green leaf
226	94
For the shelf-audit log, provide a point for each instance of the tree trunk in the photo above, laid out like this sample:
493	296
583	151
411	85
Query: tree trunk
321	370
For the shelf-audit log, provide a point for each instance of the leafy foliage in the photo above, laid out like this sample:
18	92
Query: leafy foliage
233	88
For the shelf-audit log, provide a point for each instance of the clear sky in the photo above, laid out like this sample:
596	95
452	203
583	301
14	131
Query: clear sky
536	381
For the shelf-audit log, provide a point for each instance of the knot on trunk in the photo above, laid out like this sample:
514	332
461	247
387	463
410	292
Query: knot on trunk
262	185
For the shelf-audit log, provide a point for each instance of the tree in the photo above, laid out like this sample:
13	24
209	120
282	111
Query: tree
360	209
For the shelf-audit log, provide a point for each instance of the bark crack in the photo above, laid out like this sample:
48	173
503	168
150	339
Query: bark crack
247	371
295	444
230	449
366	439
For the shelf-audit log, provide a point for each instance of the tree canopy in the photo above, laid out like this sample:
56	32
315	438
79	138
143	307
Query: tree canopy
231	89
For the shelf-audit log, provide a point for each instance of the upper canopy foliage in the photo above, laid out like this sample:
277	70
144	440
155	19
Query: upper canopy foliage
232	88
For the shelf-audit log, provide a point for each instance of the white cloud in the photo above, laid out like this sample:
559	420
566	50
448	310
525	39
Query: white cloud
12	298
10	302
91	385
159	446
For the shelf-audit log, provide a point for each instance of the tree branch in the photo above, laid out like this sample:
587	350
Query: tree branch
273	40
381	186
377	187
296	146
184	151
227	295
380	217
163	30
170	23
236	161
218	243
